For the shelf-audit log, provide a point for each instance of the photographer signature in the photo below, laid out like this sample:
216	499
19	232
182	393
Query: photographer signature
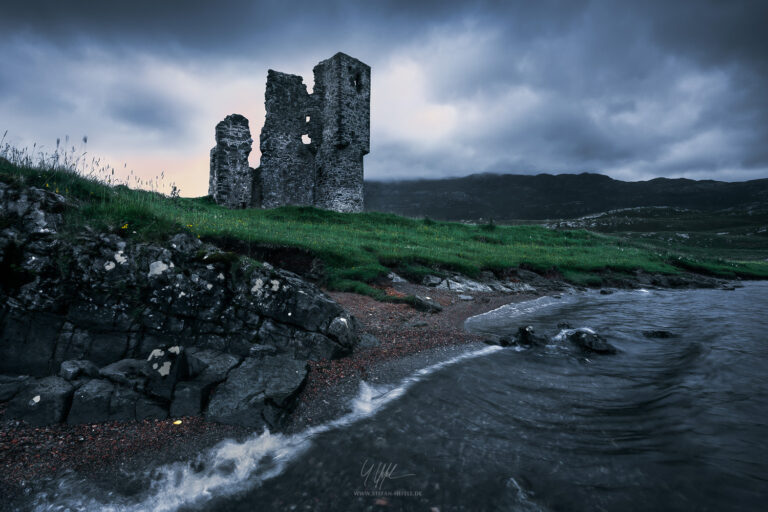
379	473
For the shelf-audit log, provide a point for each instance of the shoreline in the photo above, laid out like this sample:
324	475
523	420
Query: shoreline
31	457
409	340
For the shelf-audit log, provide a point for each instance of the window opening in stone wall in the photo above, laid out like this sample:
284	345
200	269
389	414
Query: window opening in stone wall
358	82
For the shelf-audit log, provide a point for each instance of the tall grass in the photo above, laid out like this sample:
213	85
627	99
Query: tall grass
356	249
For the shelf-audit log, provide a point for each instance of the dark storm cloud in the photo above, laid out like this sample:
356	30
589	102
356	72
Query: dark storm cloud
635	89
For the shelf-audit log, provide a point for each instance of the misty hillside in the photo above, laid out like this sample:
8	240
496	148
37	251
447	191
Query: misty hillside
546	196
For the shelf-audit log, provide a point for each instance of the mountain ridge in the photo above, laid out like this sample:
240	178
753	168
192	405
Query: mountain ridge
502	197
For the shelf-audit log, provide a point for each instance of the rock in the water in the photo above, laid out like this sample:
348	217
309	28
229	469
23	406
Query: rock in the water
527	337
231	179
70	370
41	402
590	341
466	297
659	334
254	387
426	304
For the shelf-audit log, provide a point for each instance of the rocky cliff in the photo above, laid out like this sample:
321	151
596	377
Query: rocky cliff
99	326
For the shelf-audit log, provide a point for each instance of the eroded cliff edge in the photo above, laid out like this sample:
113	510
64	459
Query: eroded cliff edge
101	327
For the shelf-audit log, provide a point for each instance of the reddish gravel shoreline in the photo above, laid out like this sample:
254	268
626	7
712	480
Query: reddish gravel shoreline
29	455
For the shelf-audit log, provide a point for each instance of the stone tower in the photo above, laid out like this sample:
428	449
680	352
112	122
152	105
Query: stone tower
231	180
342	98
312	145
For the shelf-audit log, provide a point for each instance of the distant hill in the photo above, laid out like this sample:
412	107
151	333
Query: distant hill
545	196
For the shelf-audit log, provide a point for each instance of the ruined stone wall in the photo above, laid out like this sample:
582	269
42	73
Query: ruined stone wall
312	145
231	179
287	164
342	94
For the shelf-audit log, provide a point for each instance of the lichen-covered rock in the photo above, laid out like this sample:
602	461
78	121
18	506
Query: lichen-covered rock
41	402
167	366
231	178
113	301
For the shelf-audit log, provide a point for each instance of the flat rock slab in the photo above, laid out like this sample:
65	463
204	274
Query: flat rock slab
254	387
42	402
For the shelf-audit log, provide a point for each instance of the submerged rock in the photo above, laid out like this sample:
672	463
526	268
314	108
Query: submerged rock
590	341
659	334
526	336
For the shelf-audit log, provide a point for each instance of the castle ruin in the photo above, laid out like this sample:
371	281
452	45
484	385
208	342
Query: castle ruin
312	145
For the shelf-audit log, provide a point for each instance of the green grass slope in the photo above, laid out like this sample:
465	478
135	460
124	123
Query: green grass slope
356	249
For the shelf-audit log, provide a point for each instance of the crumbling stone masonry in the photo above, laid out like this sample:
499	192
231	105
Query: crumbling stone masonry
231	179
312	145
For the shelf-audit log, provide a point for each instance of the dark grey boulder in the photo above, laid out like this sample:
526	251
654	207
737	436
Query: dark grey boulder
345	331
128	372
167	365
189	398
122	404
217	364
254	385
590	342
41	402
70	370
91	402
149	409
426	304
207	368
10	385
29	341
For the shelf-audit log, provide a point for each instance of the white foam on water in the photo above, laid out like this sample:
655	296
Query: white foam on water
563	334
513	310
231	466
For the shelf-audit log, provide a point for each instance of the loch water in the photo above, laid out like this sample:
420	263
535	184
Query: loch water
668	423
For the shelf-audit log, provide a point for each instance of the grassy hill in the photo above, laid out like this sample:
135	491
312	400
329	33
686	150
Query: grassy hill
351	251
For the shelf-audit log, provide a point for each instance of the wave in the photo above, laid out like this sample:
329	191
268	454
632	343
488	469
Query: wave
231	467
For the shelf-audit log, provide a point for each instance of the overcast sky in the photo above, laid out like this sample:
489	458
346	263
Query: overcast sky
634	90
